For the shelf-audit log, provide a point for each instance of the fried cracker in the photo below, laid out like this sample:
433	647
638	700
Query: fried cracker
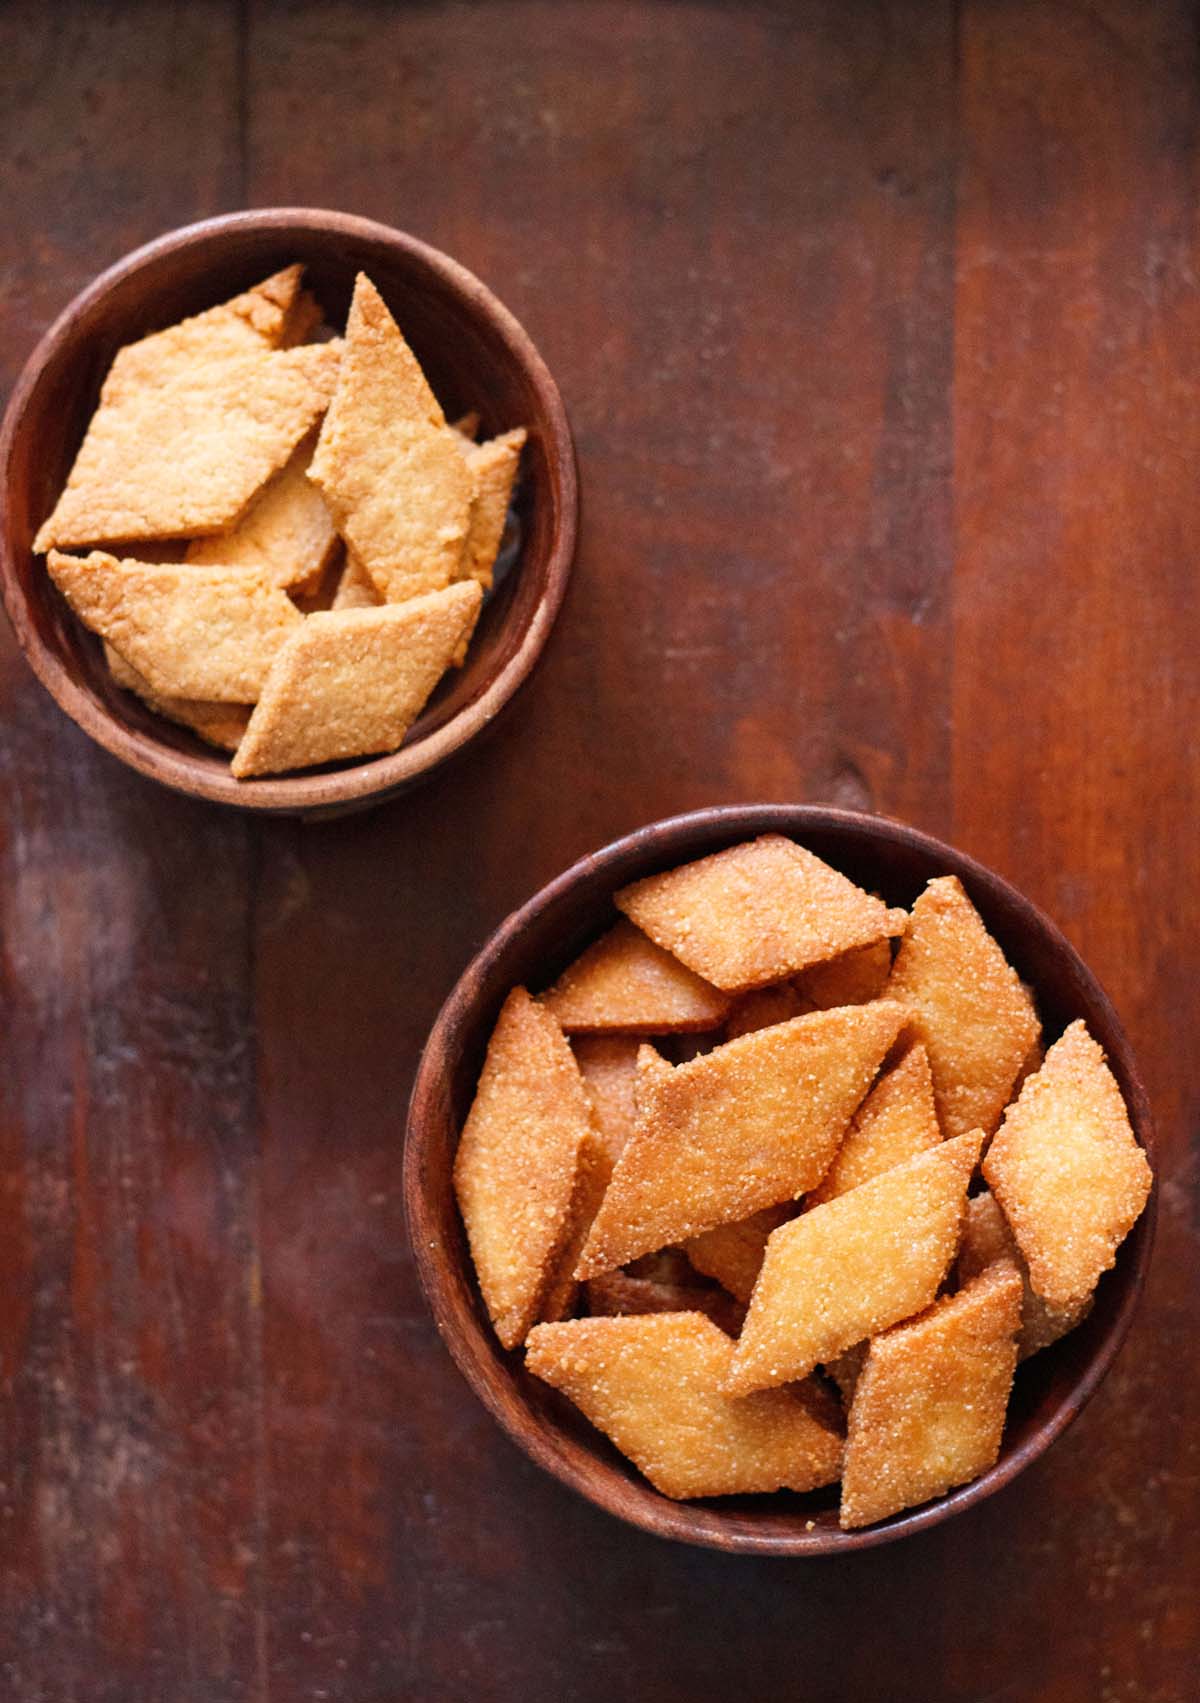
895	1122
652	1384
763	1007
624	981
733	1253
846	1371
218	724
286	531
988	1241
967	1005
851	1267
392	472
750	1124
1067	1171
850	979
591	1180
352	682
191	632
184	458
493	467
609	1067
516	1169
929	1405
355	588
756	913
617	1293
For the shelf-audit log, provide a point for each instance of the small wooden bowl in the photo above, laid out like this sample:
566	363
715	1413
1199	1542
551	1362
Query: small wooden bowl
531	947
476	356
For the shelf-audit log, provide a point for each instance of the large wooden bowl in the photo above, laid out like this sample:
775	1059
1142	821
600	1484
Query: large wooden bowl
531	947
476	356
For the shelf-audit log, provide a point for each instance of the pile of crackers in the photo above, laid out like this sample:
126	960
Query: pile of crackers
779	1204
287	544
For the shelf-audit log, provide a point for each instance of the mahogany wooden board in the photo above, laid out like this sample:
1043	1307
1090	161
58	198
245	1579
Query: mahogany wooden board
880	335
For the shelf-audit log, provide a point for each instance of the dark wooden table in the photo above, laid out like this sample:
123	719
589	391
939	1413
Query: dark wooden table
880	331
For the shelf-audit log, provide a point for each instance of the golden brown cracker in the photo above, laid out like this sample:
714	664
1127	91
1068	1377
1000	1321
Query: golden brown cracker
493	467
355	588
609	1067
756	913
618	1293
652	1383
286	531
764	1007
846	1371
895	1122
852	978
988	1241
351	682
750	1124
1067	1170
217	724
966	1004
467	425
624	981
733	1253
591	1180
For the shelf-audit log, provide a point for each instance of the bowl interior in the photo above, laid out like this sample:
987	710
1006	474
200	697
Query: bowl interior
531	948
474	354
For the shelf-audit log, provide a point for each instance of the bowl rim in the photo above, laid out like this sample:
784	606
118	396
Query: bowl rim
376	778
703	1524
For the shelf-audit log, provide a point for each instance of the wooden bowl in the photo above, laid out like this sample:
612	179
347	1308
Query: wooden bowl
531	947
476	356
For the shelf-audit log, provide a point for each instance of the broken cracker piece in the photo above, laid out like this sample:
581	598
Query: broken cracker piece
351	682
896	1121
591	1180
764	1007
966	1004
929	1404
850	979
652	1384
1067	1170
191	632
617	1294
750	1124
609	1067
624	981
988	1241
355	588
846	1370
493	467
733	1253
851	1267
286	531
217	724
756	913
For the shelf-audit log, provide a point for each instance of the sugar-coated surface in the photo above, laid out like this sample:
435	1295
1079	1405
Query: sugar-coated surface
895	1122
733	1253
624	981
988	1241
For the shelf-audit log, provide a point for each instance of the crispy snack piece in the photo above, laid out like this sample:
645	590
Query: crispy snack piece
764	1007
851	979
609	1067
493	467
218	724
652	1384
618	1293
392	472
183	458
756	913
356	588
591	1180
1067	1170
988	1241
750	1124
846	1371
191	632
896	1121
847	1269
517	1165
624	981
286	531
966	1004
649	1067
929	1404
467	425
733	1253
353	681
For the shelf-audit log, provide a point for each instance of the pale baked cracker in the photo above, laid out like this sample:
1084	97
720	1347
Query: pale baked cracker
988	1241
652	1384
351	682
356	588
1067	1170
764	1007
624	981
732	1254
929	1404
609	1067
750	1124
493	467
392	472
217	724
896	1121
517	1163
191	632
184	458
852	978
287	530
618	1293
851	1267
756	913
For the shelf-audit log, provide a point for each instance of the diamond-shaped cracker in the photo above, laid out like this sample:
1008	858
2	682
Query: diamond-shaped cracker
355	588
763	1007
967	1005
733	1253
653	1385
351	682
851	1267
493	467
191	632
618	1293
1067	1171
624	981
184	458
929	1404
896	1121
756	913
750	1124
609	1067
851	979
286	531
988	1241
218	724
392	472
591	1180
517	1163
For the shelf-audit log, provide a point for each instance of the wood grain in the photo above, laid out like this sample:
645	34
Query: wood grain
810	277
